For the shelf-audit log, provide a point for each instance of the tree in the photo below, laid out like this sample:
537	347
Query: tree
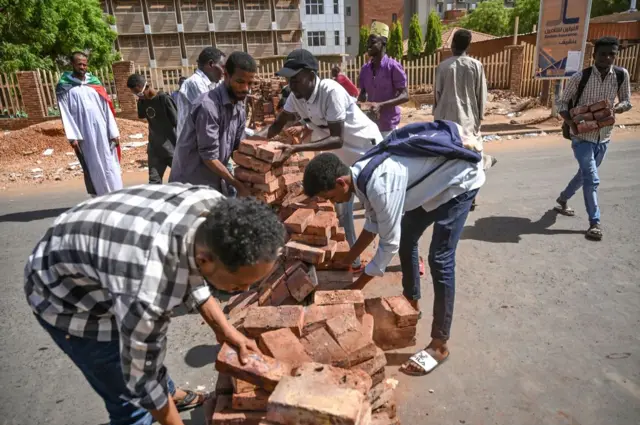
434	34
415	37
43	33
607	7
490	17
528	12
395	47
364	36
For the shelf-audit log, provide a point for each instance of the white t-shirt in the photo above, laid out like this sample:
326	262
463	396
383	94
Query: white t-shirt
330	102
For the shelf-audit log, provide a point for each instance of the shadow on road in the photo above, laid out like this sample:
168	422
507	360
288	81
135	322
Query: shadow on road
397	359
510	229
23	217
202	355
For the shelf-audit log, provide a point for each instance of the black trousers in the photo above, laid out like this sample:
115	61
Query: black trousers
158	163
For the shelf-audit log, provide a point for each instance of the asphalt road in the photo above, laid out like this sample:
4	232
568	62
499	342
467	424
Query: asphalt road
545	328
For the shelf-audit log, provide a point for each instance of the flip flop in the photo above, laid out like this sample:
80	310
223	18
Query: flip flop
192	400
594	233
564	209
425	360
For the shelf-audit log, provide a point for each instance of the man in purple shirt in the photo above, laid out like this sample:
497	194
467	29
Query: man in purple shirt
383	82
214	129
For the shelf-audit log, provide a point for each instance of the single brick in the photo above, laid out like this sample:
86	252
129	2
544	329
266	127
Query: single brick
224	384
579	110
240	386
270	187
224	415
277	171
334	279
301	401
283	345
314	240
299	220
332	265
321	224
330	250
393	338
367	325
329	375
287	180
268	152
264	319
250	162
250	147
406	315
373	366
385	395
383	315
316	316
342	250
241	301
266	285
253	400
339	234
300	251
378	377
603	104
300	285
279	292
322	348
290	169
347	331
290	267
601	115
587	126
583	117
606	122
326	206
246	175
259	370
354	297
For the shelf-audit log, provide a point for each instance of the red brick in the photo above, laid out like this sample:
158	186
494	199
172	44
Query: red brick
322	223
303	401
300	251
240	302
322	348
300	285
316	316
290	267
224	384
583	117
365	414
389	408
249	147
333	376
587	126
326	206
299	220
334	279
347	296
339	235
314	240
373	366
269	188
342	251
606	122
286	180
602	114
283	345
264	319
405	314
240	386
347	331
208	408
259	370
290	169
383	315
330	249
393	338
266	286
268	152
367	325
384	395
279	293
224	415
599	105
253	400
277	171
378	377
250	176
579	110
250	162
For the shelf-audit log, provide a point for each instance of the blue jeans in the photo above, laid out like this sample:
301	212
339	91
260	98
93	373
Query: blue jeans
345	218
589	156
449	221
99	362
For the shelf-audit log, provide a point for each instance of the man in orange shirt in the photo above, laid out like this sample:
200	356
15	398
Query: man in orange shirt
344	81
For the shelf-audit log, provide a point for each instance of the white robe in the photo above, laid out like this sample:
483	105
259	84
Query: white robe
87	118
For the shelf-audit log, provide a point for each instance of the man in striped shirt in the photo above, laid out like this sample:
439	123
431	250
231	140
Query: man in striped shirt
590	148
105	278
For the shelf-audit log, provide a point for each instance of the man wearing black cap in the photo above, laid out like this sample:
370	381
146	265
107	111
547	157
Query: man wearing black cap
338	123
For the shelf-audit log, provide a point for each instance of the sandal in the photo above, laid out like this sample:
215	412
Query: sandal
426	362
564	209
594	233
192	400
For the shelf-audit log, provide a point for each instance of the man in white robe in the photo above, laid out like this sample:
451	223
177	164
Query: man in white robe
90	126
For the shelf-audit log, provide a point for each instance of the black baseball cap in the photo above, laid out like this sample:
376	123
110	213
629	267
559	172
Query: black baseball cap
296	61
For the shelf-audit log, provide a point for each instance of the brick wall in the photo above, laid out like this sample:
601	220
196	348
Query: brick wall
121	72
31	90
380	10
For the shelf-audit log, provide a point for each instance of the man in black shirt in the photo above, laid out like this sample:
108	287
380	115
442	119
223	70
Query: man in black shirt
160	112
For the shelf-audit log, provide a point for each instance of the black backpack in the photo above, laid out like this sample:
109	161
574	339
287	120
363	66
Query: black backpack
586	74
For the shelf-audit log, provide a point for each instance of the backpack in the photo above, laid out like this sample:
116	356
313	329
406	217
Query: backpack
427	139
586	74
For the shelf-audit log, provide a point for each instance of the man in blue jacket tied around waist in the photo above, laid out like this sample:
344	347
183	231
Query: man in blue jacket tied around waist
422	174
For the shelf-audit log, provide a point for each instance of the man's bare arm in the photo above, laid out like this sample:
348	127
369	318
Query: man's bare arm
281	120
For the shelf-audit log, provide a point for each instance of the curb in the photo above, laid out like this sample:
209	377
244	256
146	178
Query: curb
539	131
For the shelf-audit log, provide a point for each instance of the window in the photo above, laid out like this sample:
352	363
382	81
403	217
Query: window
193	5
316	38
394	17
199	39
439	7
228	39
225	5
348	41
262	37
167	40
127	6
314	7
336	36
132	41
256	5
336	7
286	5
160	5
289	37
348	11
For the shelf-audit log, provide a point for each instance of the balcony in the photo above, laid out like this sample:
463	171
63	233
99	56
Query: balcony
168	56
227	20
163	22
195	21
192	54
258	20
227	49
130	23
288	19
138	55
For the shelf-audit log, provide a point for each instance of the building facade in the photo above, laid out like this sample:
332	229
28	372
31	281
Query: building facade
323	24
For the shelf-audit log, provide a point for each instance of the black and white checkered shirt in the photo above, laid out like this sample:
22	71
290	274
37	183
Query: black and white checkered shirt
114	267
596	90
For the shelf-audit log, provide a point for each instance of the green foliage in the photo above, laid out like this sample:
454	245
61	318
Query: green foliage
415	37
490	17
43	33
434	34
529	12
364	36
607	7
395	47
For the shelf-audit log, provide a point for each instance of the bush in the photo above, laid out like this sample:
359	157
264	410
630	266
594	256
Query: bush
415	37
434	34
395	48
364	36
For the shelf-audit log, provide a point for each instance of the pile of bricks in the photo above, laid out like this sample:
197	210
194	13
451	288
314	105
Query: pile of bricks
592	117
265	96
259	167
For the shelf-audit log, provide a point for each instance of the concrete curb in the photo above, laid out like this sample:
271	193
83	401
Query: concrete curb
538	131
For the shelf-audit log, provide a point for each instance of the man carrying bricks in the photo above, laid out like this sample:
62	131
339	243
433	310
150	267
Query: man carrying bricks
601	83
403	195
214	129
104	280
337	122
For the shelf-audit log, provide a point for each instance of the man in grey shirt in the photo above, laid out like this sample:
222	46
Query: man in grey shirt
214	129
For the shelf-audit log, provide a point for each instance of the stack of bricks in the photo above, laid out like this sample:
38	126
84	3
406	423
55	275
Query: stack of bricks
318	364
265	96
395	322
271	181
592	117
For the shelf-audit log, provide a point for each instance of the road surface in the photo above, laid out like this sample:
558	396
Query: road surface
545	328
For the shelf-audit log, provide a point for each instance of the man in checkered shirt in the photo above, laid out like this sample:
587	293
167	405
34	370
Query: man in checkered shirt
590	148
106	276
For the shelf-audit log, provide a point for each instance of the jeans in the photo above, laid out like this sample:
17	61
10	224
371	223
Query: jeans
589	156
345	218
449	221
99	362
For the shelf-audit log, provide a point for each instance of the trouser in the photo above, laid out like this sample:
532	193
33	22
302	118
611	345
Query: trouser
448	220
99	362
590	156
344	211
158	163
88	184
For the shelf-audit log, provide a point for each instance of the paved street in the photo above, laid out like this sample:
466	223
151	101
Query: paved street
545	328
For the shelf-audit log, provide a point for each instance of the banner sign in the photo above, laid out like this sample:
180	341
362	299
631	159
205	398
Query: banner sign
563	27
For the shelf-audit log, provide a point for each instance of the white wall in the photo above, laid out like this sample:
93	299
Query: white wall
328	22
352	27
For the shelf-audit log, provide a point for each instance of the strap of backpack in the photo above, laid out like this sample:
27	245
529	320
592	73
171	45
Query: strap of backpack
586	74
619	76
